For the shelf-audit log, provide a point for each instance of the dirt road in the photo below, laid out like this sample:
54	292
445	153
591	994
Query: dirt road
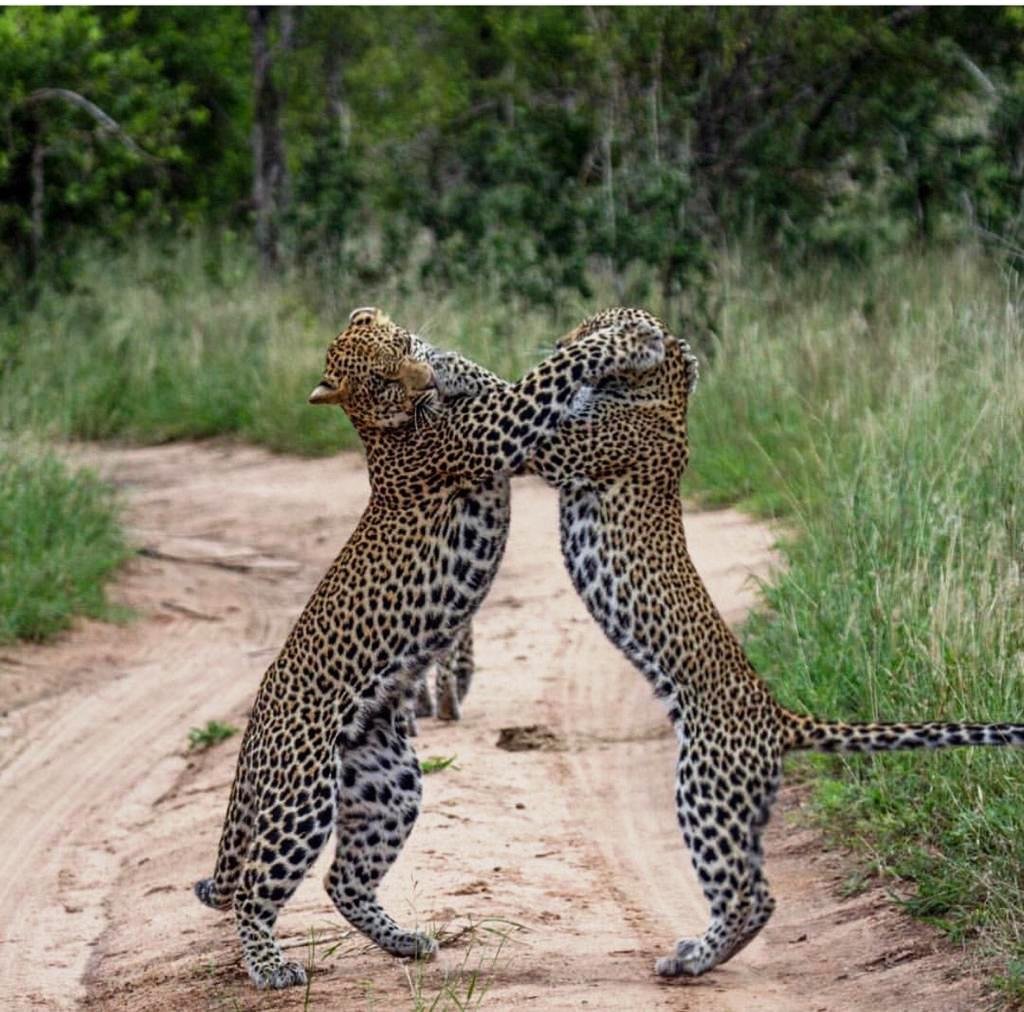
556	876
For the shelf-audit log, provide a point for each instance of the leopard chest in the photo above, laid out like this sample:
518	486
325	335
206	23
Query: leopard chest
610	571
586	551
470	548
458	543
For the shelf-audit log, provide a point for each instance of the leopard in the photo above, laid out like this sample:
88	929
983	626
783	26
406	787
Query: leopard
617	463
327	748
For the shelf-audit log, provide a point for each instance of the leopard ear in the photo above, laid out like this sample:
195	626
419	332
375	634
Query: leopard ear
366	316
324	393
570	337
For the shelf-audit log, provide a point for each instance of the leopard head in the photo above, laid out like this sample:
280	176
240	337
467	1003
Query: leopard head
371	372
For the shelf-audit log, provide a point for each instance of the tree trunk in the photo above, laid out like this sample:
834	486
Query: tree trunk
337	108
38	198
268	170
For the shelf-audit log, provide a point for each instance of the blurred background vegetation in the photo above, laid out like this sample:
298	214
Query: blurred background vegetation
828	202
523	145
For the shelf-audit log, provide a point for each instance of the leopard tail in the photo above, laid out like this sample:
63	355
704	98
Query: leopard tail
218	891
806	733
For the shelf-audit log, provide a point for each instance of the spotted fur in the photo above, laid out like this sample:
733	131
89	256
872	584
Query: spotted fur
327	745
617	463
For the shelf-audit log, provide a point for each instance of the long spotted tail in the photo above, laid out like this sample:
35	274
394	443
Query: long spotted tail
218	891
833	736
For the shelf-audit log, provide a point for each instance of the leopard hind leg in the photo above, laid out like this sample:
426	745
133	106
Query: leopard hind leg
378	800
763	905
722	809
292	825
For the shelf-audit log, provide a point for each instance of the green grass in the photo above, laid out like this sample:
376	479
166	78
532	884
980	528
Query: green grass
59	542
883	415
438	763
152	344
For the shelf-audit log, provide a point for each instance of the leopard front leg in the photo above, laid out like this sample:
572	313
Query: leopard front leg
496	431
378	794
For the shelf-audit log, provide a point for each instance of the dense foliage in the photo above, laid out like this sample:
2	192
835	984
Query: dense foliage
523	144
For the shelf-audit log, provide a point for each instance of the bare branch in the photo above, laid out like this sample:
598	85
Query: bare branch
106	122
978	74
1000	240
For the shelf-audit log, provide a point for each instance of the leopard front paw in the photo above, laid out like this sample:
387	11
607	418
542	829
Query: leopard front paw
632	347
645	347
451	377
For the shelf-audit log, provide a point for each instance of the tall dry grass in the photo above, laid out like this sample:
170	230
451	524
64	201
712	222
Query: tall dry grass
883	414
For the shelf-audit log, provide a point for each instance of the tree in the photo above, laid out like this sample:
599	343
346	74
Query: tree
524	145
91	125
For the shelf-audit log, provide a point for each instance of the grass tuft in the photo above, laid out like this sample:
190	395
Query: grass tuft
466	984
212	733
438	763
59	542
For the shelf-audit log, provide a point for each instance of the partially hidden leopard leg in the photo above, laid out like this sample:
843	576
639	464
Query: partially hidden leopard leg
454	675
423	703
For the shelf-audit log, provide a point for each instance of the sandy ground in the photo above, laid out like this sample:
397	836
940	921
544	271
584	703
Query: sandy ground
556	876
